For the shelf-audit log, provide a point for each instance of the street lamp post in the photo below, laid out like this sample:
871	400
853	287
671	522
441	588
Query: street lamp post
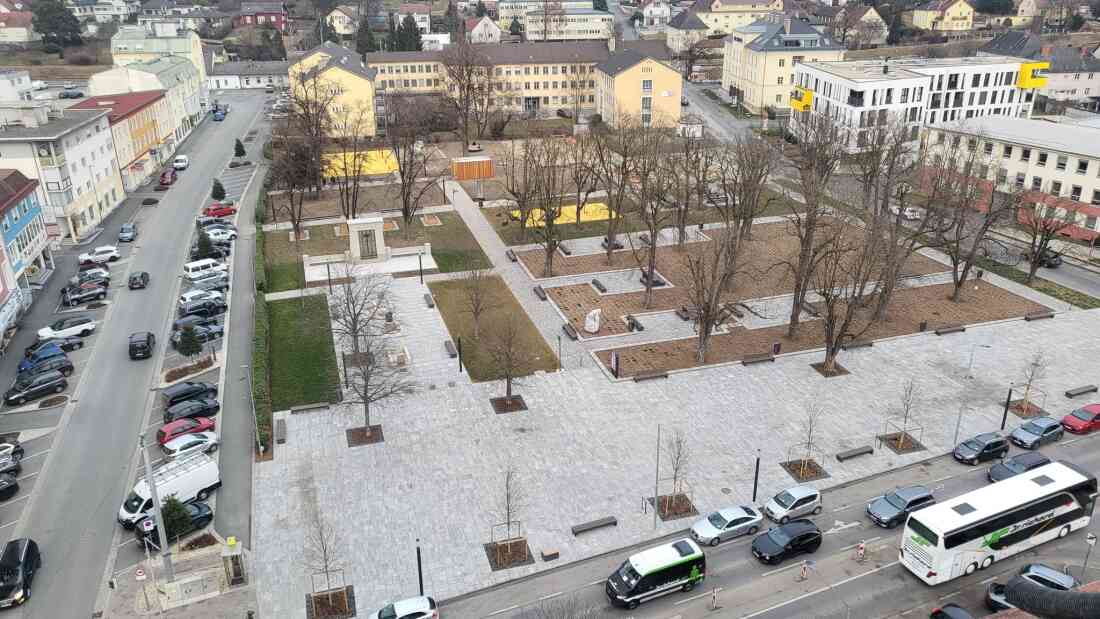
252	404
970	364
958	422
162	534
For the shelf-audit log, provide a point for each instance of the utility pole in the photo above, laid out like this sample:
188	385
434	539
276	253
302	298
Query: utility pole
165	551
657	478
252	402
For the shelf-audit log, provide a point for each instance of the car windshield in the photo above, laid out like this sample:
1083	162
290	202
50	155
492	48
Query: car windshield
1032	428
717	520
133	503
779	536
972	444
785	499
895	500
387	613
1082	414
628	575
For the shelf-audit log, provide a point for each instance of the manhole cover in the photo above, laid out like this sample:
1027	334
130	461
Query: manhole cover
521	430
726	491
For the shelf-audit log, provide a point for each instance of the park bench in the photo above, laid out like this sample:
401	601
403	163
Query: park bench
1073	393
1038	315
618	244
759	357
429	300
280	431
540	293
858	344
633	324
657	282
644	238
452	352
950	329
549	554
563	248
865	450
511	255
591	525
683	313
598	285
570	331
650	375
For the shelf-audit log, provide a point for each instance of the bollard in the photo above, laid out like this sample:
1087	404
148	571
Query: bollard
714	598
803	572
861	551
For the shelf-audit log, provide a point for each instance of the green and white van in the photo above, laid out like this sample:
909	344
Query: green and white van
676	566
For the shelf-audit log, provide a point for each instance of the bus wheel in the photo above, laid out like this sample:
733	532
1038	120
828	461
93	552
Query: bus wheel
1064	532
688	586
986	562
970	569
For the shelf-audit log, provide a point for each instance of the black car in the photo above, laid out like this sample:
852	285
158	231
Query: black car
61	364
67	344
194	321
9	486
204	334
31	387
73	297
1048	259
198	516
18	563
787	540
138	280
187	409
892	508
205	308
1020	463
188	390
141	345
1037	573
70	94
214	253
988	446
950	611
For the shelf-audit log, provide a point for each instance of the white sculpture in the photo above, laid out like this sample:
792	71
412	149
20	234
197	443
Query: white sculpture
592	321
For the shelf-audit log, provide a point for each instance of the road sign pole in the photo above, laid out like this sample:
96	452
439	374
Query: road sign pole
165	551
1090	540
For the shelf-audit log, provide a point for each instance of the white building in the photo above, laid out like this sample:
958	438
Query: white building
249	74
103	11
17	28
864	93
15	85
569	25
656	15
175	75
435	41
71	153
482	30
507	10
421	14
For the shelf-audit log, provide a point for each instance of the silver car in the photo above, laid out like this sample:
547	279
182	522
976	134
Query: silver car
1036	432
726	524
793	503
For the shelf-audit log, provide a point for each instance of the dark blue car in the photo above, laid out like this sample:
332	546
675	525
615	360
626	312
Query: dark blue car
42	353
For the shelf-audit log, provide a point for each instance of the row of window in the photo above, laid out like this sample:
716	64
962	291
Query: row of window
1007	95
14	214
957	81
1061	163
28	239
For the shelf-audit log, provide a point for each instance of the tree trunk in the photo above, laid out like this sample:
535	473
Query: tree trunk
548	262
508	386
1032	268
703	339
652	272
366	415
829	365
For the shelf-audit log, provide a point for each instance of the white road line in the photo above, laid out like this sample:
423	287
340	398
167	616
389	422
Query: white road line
552	595
952	594
27	476
39	453
696	597
595	582
866	541
9	524
1071	441
936	481
988	580
817	591
782	569
130	540
503	610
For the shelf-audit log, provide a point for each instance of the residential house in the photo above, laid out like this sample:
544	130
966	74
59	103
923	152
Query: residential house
1074	72
482	30
165	8
517	10
344	20
26	241
174	75
554	24
941	15
435	40
631	85
421	14
1050	13
16	28
1054	164
71	153
134	118
103	11
18	202
760	59
685	30
15	85
137	44
332	66
860	26
191	20
260	13
246	74
723	16
655	15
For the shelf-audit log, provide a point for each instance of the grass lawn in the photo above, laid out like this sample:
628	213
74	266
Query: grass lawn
1044	286
449	299
283	276
527	128
453	246
303	359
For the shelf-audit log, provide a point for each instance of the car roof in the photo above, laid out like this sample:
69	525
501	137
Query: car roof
184	438
1045	421
1049	573
799	526
799	492
912	492
13	551
410	605
1029	457
987	437
737	511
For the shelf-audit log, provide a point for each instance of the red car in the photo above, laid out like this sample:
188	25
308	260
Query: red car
167	177
1083	420
219	210
180	427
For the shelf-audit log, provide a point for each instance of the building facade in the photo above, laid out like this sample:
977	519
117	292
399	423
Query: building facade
482	30
247	74
1074	72
17	28
133	44
344	20
332	66
941	15
631	85
15	85
569	25
26	242
684	30
509	10
260	13
723	16
134	118
421	14
193	20
174	75
103	11
656	15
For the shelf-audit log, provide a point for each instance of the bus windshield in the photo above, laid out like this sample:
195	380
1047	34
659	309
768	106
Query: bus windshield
628	575
918	527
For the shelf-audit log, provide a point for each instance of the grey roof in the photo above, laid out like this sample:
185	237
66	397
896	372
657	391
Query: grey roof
548	52
251	67
654	48
1067	138
1071	60
1027	45
250	8
687	20
773	34
1013	43
621	61
168	69
340	57
55	128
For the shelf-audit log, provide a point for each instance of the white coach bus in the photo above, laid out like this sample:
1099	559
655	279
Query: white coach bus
968	533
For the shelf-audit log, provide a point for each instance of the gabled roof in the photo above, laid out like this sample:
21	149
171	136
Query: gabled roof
1071	60
775	32
938	5
654	48
251	67
858	12
687	20
340	57
621	61
16	19
13	188
540	52
1014	43
472	22
121	105
251	8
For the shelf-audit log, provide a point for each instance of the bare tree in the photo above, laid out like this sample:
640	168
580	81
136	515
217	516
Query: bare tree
551	185
405	136
1034	371
357	306
506	352
374	376
1043	221
322	553
477	294
295	170
513	500
650	195
520	171
810	422
689	167
581	170
907	404
692	54
615	152
310	119
469	86
353	130
679	458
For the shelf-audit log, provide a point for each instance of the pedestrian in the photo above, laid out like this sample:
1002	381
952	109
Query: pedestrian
861	551
803	571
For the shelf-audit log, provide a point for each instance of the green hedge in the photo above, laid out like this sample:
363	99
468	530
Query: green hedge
258	265
1044	286
261	369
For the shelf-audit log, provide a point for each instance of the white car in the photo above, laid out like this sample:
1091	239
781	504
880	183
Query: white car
39	85
199	295
181	162
44	96
422	607
74	326
910	213
205	442
100	255
221	234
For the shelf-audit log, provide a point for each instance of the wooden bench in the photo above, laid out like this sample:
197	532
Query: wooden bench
760	357
949	330
429	300
618	244
563	248
540	293
644	238
598	285
1073	393
683	313
511	255
858	344
452	352
633	324
865	450
650	375
280	431
549	555
570	331
592	525
1038	315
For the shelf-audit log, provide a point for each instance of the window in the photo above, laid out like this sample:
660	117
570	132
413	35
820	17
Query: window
1075	193
1020	180
647	85
780	80
1056	188
988	148
1042	159
1082	166
1007	152
1096	197
1036	183
1025	154
1062	161
1090	222
782	62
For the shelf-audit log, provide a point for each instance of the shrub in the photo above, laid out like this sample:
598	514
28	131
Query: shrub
260	274
175	374
35	62
82	60
217	192
261	368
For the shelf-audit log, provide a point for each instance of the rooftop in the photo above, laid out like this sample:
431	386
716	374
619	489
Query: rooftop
902	69
16	19
67	121
341	57
541	52
569	11
687	20
13	188
1064	137
249	8
773	35
621	61
251	67
121	105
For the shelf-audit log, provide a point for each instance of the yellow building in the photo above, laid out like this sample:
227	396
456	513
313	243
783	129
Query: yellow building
723	16
330	66
139	121
630	84
759	60
942	15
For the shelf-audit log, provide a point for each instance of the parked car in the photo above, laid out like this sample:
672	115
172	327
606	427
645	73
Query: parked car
168	177
11	465
183	427
92	273
987	446
216	252
205	307
100	255
564	113
726	524
18	564
201	407
422	607
70	94
199	515
1048	258
219	210
1036	432
792	503
1020	463
9	486
127	233
205	442
269	90
45	352
892	508
787	540
1037	573
88	284
199	295
204	334
219	116
220	234
39	85
474	147
194	321
138	280
67	344
141	345
683	102
909	213
27	388
188	390
82	326
181	162
950	611
218	280
1083	420
75	296
60	364
202	221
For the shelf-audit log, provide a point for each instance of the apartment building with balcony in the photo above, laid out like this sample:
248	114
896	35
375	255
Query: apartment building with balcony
1054	164
26	242
176	76
69	152
860	94
133	44
631	85
135	119
509	10
553	24
723	16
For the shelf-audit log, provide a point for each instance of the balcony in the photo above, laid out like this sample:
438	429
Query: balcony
802	99
54	161
1032	75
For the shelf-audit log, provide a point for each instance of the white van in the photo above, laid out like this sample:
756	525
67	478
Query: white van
189	478
181	162
201	268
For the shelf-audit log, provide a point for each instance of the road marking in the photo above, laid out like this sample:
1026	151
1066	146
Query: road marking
37	453
9	524
552	595
782	569
595	582
696	597
952	594
839	526
131	540
1071	441
988	580
936	481
503	610
817	591
28	476
866	541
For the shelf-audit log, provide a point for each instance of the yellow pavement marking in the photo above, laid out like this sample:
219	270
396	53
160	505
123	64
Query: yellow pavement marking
593	211
371	163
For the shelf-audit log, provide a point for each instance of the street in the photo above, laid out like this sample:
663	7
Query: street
837	586
622	19
89	469
719	121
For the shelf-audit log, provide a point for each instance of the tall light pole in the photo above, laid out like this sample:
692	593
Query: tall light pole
165	550
252	403
970	364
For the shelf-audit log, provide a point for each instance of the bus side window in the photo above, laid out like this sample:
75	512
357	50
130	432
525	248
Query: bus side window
647	583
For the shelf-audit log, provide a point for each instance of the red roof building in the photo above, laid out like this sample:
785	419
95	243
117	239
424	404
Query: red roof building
140	123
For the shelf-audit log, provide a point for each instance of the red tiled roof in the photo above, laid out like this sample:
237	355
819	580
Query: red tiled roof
14	187
122	105
16	19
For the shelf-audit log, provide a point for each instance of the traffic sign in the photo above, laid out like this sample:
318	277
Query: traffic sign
139	574
1090	539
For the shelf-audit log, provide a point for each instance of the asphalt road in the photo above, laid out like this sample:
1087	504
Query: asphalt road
838	586
623	19
719	122
72	511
